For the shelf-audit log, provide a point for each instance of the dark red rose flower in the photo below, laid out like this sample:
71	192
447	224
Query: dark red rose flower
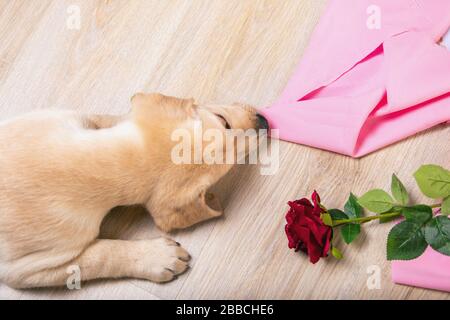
305	230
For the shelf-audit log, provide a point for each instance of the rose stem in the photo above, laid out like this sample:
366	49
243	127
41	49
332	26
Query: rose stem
370	218
365	219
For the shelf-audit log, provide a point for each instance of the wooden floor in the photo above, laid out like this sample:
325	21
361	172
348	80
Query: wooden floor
216	51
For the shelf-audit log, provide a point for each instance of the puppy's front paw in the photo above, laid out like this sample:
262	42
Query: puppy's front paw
161	260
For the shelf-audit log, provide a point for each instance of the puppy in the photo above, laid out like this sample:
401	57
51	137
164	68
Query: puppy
61	173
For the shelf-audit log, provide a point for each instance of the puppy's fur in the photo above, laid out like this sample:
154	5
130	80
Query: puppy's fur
61	173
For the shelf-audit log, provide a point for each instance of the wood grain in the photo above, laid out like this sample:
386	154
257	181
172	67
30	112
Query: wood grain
216	51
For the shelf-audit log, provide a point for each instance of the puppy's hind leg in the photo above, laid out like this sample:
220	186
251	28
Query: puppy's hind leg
158	260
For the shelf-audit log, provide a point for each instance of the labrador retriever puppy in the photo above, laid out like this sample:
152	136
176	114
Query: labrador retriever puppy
62	172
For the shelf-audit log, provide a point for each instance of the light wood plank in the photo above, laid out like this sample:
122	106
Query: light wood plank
98	290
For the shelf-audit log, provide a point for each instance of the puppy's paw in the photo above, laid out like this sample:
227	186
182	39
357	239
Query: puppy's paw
161	260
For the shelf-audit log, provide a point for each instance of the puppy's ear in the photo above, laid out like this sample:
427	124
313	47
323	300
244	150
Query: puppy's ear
205	207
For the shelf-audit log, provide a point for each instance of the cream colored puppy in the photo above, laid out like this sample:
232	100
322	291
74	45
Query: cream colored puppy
61	173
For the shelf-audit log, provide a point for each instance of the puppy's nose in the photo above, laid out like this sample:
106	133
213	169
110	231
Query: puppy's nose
262	122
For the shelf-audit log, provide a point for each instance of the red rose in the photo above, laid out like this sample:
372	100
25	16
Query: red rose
305	230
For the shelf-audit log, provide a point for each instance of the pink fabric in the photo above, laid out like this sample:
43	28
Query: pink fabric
431	270
359	89
446	40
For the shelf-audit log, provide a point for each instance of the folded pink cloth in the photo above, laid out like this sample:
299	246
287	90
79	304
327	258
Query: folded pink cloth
431	270
373	74
362	86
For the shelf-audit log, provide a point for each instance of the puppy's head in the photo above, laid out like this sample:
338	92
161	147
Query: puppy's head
203	129
190	147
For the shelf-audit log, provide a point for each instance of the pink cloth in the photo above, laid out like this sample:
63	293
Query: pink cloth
358	89
431	270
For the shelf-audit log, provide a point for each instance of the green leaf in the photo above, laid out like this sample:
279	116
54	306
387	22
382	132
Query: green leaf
326	219
437	234
445	208
336	253
350	232
405	241
433	181
377	201
420	214
352	208
398	190
337	214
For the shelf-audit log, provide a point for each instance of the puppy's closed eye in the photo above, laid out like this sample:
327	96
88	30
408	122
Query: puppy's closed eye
224	121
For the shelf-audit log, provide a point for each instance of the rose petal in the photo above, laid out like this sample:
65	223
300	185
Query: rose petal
328	236
304	202
301	204
317	211
298	209
314	250
292	237
314	216
291	216
302	233
315	198
319	231
313	227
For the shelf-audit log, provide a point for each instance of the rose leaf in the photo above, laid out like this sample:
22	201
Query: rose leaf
326	219
445	208
437	234
433	181
336	253
398	190
350	232
420	214
337	214
377	201
352	208
405	241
